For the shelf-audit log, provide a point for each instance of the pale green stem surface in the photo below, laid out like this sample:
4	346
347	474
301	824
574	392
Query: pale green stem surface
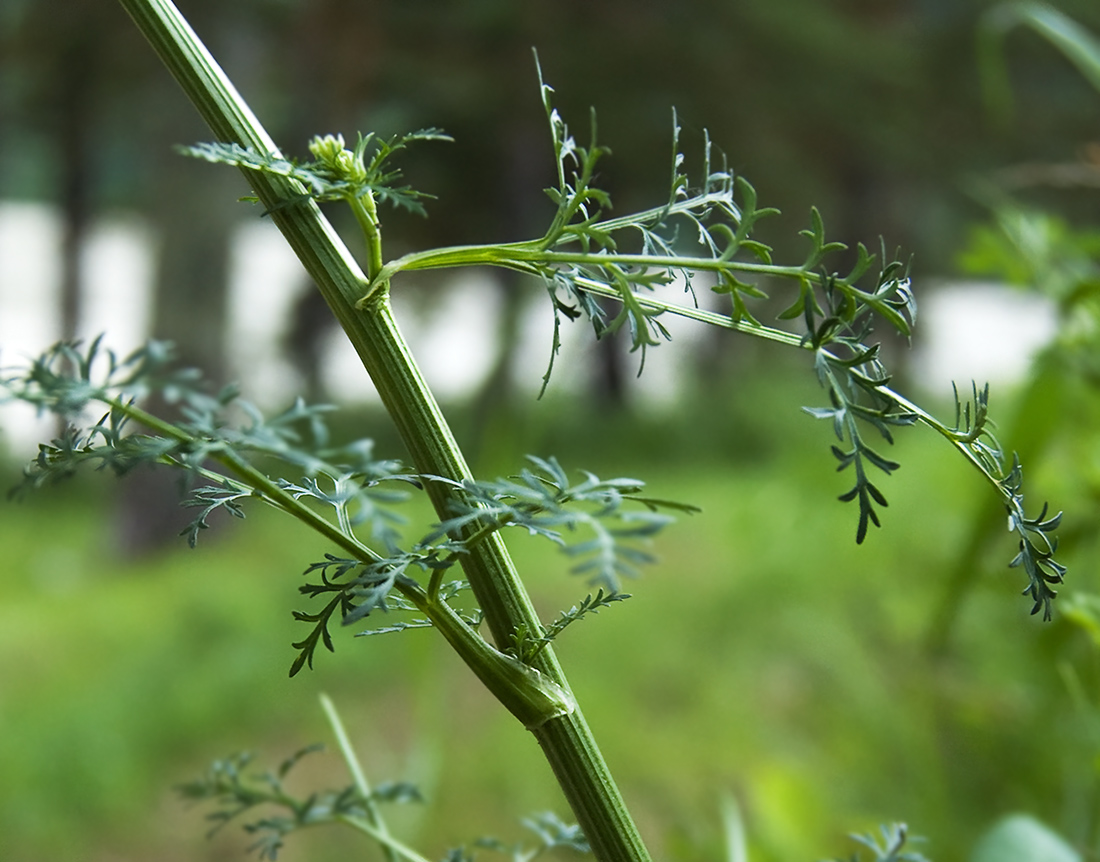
384	838
374	816
531	253
255	480
953	437
567	741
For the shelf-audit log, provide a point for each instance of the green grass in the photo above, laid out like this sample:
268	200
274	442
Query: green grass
767	655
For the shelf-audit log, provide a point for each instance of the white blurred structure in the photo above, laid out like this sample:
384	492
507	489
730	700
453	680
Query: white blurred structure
977	331
117	262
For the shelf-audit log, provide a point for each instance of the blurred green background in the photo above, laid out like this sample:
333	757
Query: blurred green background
827	687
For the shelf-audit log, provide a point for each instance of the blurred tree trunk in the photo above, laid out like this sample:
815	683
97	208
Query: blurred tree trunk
312	324
610	383
194	211
335	46
55	57
495	404
195	214
75	90
496	417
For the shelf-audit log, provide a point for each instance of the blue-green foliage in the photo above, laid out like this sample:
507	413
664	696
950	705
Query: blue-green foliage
336	174
603	524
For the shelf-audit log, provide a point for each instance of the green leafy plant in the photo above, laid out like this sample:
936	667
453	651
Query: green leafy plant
892	848
1026	245
459	578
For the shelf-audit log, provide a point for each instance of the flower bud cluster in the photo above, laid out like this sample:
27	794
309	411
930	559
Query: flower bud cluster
331	151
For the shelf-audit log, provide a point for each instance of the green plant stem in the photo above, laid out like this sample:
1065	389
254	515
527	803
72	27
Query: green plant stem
566	740
391	844
480	256
366	213
959	441
526	254
254	480
711	318
374	816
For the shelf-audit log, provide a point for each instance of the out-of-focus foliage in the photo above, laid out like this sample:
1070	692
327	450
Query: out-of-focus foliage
1039	238
1043	236
1023	839
788	672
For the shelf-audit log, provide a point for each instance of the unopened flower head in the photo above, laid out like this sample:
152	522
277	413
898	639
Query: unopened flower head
332	153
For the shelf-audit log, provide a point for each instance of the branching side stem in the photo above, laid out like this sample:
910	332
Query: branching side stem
366	214
527	255
955	438
260	484
391	844
374	816
523	255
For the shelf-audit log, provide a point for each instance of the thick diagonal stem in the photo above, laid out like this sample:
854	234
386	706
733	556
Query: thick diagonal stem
567	741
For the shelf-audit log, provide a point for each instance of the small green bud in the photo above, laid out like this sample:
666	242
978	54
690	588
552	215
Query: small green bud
327	148
330	151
